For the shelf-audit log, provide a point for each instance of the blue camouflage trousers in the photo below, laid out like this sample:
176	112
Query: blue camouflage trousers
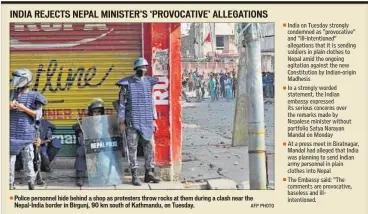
133	138
27	160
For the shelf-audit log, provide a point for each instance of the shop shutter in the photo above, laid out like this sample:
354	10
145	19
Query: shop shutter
73	63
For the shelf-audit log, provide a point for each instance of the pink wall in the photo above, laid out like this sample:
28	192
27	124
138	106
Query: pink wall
207	67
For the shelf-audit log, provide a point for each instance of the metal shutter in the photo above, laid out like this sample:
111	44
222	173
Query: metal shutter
73	63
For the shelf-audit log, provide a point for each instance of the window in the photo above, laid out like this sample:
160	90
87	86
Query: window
220	42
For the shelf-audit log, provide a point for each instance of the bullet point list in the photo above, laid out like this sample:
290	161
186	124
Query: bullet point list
284	25
284	143
284	179
284	87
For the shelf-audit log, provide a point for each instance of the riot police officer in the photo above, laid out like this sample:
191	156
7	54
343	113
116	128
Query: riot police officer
94	109
50	146
25	110
137	115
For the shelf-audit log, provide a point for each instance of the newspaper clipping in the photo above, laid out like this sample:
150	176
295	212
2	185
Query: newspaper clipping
180	107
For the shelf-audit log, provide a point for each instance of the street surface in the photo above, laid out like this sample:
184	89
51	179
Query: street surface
207	134
206	151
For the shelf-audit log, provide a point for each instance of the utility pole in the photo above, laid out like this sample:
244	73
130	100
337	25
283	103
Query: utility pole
240	129
196	52
256	128
201	26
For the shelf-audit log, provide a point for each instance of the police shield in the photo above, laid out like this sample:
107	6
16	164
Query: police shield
103	150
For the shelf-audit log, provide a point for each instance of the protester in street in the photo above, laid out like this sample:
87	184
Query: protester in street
218	88
25	109
183	87
228	86
185	73
235	85
137	115
190	84
222	84
203	85
96	108
212	88
195	75
197	89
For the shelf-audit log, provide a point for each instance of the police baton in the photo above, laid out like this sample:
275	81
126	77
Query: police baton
123	136
80	124
39	179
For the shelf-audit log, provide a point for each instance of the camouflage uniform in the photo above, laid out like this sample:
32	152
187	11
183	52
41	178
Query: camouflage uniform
137	110
23	134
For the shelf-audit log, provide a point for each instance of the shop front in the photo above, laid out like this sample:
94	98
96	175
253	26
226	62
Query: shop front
73	63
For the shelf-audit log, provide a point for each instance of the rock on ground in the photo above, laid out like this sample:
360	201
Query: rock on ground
207	134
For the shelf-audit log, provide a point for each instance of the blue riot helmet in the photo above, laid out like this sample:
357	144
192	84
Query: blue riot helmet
22	78
97	104
140	62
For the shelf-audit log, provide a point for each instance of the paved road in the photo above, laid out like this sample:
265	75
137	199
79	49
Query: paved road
207	154
207	133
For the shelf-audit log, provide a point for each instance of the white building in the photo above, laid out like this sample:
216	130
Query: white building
222	44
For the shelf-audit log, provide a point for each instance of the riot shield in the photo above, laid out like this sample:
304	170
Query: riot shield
103	150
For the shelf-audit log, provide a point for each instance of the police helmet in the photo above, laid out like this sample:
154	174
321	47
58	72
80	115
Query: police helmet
140	62
22	78
96	104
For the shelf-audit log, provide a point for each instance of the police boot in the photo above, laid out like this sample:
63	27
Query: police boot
41	182
135	179
150	176
47	169
31	185
45	164
80	182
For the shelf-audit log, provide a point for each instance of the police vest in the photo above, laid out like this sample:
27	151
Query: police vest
22	126
139	104
44	126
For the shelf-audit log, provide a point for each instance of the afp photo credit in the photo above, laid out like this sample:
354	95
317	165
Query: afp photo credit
141	106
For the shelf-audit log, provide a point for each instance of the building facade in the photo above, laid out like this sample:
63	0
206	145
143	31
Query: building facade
209	39
223	47
268	47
